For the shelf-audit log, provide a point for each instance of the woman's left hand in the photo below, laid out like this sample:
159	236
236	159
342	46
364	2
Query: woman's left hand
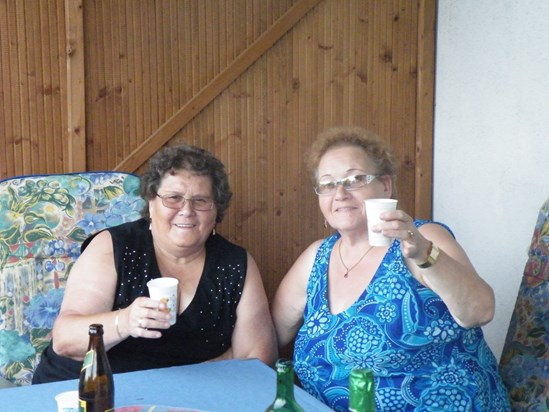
397	224
144	317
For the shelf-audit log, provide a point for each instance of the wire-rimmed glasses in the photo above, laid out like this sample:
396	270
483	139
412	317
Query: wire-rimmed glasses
198	203
348	183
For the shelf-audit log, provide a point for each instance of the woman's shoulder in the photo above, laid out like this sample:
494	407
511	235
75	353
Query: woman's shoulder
139	225
130	230
328	242
319	246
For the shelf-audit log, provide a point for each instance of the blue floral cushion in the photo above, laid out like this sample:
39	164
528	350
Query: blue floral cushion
43	221
524	361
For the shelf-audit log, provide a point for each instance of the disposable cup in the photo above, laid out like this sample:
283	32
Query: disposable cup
67	401
374	207
164	289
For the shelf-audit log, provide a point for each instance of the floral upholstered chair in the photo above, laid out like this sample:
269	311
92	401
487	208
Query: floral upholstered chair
43	221
524	362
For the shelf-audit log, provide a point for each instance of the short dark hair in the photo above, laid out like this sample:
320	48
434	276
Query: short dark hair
376	149
192	159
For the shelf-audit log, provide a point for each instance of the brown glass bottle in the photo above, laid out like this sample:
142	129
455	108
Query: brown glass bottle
284	400
362	391
96	386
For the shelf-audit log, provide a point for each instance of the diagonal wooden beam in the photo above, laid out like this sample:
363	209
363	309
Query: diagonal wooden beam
219	83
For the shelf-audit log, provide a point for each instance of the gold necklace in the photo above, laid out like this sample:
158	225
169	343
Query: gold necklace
347	270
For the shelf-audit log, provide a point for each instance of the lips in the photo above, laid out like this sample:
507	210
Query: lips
345	208
184	225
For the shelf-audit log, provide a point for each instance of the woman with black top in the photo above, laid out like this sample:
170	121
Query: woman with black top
223	310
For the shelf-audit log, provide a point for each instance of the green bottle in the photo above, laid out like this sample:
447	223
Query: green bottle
284	401
362	391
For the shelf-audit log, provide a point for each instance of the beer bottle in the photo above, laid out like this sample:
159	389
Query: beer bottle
362	391
284	400
96	386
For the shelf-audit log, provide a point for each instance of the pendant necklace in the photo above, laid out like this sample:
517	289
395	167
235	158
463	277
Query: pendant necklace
347	270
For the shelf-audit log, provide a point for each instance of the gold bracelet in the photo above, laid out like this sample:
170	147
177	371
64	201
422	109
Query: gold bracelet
116	324
434	251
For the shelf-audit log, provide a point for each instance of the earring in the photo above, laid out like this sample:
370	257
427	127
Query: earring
213	232
150	225
325	224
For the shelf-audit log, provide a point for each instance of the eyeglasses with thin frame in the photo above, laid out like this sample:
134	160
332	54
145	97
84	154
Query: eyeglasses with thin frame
198	203
348	183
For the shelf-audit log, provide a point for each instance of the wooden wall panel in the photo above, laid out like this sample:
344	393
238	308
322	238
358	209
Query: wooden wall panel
32	87
253	81
76	90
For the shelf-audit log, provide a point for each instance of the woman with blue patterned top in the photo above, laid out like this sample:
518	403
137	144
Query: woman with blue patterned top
410	311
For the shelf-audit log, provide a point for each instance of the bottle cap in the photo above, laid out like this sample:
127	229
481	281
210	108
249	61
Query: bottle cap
96	329
283	364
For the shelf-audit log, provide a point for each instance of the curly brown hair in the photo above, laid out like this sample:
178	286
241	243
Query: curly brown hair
374	147
190	158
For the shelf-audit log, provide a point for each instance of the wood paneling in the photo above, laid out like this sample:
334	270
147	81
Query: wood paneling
253	81
218	81
33	74
76	103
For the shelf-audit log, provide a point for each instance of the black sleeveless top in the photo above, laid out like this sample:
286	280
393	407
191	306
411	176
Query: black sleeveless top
202	332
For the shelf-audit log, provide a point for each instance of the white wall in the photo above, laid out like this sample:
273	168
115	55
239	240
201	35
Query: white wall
491	161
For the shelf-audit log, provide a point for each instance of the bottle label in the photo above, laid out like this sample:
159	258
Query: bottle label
83	406
88	359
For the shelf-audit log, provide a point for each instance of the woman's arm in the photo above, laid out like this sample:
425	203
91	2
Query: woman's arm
89	297
291	296
253	335
468	297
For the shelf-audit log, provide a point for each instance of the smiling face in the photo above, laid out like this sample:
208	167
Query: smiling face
183	230
344	209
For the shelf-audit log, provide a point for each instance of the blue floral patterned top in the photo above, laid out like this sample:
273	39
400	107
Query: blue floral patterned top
422	359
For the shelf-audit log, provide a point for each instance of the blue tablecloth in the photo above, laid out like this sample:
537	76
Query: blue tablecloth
233	385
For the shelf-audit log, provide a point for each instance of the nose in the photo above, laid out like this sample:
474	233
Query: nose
186	207
340	191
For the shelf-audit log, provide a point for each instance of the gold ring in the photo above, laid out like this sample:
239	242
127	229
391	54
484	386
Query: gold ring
411	234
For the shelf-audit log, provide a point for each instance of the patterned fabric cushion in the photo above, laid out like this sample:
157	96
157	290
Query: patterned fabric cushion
43	221
524	362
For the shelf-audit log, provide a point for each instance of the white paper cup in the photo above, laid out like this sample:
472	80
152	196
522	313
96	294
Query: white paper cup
67	401
165	290
374	207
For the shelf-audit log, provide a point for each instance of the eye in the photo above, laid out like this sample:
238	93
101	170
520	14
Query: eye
201	201
359	180
174	198
348	181
323	186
